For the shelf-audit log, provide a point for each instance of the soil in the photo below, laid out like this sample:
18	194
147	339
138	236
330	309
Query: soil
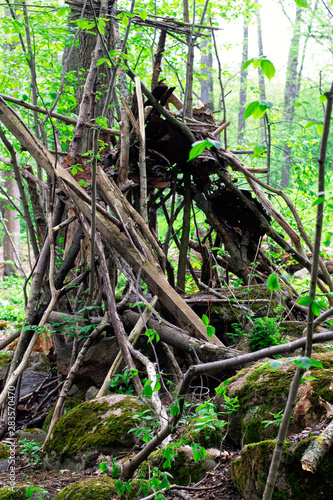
216	484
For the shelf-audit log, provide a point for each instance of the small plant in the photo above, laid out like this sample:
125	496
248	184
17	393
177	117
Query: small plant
30	492
122	383
149	424
277	419
265	333
32	450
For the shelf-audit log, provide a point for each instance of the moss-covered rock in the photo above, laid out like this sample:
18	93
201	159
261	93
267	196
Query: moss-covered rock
4	453
262	393
183	468
94	427
249	473
20	492
71	403
97	489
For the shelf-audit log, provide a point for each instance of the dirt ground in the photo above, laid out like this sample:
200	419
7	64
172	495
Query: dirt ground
216	484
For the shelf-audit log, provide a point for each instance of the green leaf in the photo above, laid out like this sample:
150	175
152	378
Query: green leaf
147	390
125	20
268	68
309	378
275	364
216	144
303	362
316	364
273	282
304	301
259	149
143	14
197	148
323	98
315	309
302	3
100	61
250	109
310	124
157	387
320	128
205	320
247	64
318	201
210	331
103	467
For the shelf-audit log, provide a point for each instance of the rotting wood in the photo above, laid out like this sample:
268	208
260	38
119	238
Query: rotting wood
150	273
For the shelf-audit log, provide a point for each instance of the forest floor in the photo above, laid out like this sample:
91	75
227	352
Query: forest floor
217	484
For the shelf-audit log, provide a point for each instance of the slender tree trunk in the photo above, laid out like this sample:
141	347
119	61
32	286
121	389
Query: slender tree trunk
12	221
243	83
206	60
290	95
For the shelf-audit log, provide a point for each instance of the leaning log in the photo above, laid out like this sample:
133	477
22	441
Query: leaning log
150	271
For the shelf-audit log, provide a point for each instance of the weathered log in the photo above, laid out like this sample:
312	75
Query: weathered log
317	449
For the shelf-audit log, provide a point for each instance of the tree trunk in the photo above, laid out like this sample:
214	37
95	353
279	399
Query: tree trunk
12	222
206	60
290	95
243	83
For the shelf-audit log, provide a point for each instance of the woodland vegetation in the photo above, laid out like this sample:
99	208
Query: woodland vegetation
151	195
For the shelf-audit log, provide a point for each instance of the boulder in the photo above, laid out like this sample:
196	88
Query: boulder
22	492
37	435
96	365
38	369
96	489
249	473
262	393
98	426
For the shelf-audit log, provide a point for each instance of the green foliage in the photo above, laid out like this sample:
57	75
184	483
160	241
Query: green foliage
265	333
199	146
277	419
267	66
121	383
32	490
32	450
12	299
209	328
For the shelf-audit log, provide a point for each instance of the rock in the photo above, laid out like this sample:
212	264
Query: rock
4	457
302	273
183	469
38	369
21	492
73	391
96	489
262	394
91	428
96	364
37	435
71	403
3	324
249	473
91	393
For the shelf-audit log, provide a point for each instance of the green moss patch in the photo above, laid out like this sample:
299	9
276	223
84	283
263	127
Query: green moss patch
262	393
249	473
97	426
96	489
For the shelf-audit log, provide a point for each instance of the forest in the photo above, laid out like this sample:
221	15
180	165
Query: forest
166	217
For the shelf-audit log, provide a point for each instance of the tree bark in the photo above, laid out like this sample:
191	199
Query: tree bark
243	83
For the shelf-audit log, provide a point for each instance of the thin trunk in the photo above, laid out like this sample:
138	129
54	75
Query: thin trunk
243	83
11	241
185	233
206	60
290	95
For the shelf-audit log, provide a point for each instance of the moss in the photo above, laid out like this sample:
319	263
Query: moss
4	453
71	403
5	358
96	489
262	393
250	471
94	425
18	492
